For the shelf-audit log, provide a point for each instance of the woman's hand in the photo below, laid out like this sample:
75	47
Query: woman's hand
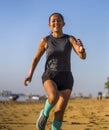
80	46
27	80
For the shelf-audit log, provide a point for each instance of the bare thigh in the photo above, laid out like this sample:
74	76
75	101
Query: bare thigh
51	90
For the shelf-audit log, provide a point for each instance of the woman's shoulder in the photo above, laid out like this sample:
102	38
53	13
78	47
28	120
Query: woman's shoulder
43	42
45	38
66	35
71	37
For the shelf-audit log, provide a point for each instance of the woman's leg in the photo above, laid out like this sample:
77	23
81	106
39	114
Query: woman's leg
53	95
60	108
51	90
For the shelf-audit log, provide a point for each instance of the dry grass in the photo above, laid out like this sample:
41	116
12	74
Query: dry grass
80	114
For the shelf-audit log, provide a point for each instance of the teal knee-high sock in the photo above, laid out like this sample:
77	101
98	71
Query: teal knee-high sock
47	108
56	125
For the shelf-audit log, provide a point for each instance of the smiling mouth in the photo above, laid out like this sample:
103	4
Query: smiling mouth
57	26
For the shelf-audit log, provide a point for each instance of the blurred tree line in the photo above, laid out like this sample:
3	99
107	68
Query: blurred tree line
107	85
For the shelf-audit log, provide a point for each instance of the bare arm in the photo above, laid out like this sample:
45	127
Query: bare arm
78	47
39	53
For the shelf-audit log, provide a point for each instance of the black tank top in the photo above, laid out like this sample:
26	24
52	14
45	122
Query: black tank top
58	53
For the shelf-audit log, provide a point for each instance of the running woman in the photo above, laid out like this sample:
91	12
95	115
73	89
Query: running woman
57	78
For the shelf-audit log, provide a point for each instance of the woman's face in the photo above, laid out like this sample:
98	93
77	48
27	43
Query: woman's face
56	23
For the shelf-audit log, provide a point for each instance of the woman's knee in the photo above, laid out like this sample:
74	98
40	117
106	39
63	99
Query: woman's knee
53	97
51	90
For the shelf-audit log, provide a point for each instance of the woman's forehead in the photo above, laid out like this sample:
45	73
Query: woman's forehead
55	16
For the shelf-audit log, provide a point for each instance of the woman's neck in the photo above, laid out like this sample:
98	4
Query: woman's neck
57	35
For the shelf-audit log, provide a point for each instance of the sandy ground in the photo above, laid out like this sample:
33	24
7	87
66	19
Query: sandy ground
81	114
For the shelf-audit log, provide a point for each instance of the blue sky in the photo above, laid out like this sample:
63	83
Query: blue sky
24	22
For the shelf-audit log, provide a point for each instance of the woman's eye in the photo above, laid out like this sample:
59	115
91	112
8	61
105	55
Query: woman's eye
56	21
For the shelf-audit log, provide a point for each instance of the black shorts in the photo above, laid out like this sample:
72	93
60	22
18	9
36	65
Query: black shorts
63	80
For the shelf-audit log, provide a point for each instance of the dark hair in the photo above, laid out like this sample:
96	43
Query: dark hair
56	14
